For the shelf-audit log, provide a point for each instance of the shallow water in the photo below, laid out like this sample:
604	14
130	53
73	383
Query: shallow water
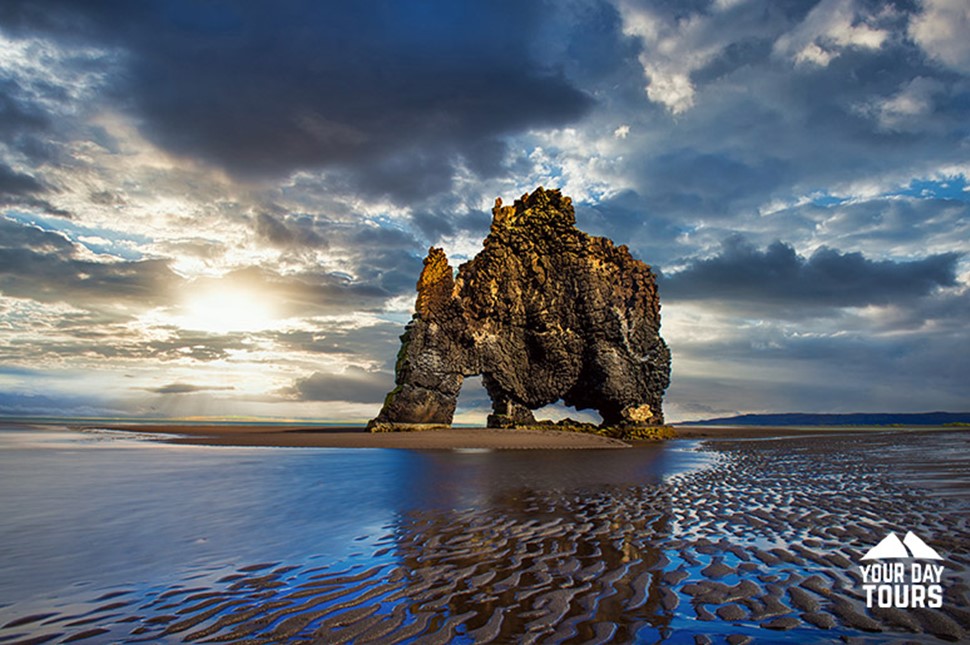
110	537
105	508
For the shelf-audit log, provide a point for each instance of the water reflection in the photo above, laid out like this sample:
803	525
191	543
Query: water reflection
562	562
78	507
128	541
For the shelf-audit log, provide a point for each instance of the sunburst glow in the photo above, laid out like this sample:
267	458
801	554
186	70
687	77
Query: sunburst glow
227	310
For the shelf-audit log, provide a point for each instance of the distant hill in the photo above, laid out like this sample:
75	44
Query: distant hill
856	419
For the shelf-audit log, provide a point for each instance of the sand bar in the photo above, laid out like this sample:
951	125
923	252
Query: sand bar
319	436
295	436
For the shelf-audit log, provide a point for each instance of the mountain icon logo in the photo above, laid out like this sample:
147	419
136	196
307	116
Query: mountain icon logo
910	546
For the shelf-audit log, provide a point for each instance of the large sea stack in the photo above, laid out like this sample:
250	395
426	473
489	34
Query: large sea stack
543	313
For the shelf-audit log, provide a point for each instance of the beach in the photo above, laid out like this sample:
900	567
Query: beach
295	435
303	436
717	540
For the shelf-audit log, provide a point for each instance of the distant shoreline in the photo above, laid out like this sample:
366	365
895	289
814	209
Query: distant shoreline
851	419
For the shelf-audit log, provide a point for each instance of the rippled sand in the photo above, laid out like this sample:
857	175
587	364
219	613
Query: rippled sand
763	544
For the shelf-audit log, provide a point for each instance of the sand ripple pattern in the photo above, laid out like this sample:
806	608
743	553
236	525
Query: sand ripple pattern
764	545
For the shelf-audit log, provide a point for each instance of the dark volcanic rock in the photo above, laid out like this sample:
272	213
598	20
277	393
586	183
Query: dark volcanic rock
544	312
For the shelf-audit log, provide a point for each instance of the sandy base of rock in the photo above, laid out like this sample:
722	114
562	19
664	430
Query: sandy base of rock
429	438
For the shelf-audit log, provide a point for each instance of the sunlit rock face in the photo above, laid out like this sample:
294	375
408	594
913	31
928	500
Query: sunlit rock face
544	312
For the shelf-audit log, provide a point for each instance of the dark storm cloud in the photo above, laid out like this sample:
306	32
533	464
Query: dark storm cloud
449	219
394	270
639	223
829	278
688	180
19	189
355	385
15	183
17	114
394	93
47	267
186	388
299	233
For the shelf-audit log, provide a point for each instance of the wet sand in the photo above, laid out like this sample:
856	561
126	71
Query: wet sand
762	546
296	436
303	436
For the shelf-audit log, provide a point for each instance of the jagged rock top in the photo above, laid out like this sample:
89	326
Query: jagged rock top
540	208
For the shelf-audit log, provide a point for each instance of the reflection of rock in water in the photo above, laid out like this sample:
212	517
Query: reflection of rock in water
767	540
551	566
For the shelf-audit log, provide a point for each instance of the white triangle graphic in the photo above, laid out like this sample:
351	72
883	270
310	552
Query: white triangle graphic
919	548
890	547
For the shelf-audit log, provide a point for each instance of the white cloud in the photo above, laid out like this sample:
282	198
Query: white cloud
943	31
829	28
52	72
905	111
672	49
725	5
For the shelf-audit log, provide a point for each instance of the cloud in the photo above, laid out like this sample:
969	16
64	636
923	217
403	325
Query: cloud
674	46
17	115
831	27
38	405
758	128
909	109
305	156
899	356
47	267
941	29
378	341
15	183
303	293
19	189
187	388
299	233
828	278
354	385
390	93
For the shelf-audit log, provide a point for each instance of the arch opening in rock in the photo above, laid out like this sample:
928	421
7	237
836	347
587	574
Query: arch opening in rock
559	412
473	405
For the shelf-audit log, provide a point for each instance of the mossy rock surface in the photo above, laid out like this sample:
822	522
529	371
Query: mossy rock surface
624	433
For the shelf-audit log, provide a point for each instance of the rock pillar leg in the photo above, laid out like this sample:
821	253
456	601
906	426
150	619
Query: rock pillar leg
509	414
428	374
427	389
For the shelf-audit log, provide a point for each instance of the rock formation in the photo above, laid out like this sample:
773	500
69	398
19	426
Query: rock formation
544	313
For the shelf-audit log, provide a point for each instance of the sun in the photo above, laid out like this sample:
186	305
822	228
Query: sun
227	309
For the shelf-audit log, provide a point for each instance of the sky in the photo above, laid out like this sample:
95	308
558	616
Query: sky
221	208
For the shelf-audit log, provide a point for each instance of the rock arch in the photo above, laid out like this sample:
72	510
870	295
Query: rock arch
544	312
